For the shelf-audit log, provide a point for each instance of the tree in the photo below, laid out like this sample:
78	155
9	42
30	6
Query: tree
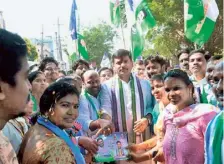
169	37
31	50
215	43
99	39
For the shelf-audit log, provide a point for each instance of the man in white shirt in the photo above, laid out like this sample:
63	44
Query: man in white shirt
126	98
197	64
90	115
183	58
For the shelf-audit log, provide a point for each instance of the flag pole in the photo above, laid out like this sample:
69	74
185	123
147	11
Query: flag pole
195	46
77	49
78	28
122	30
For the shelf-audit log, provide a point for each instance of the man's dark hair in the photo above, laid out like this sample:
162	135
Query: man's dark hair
207	55
105	68
139	62
155	59
197	51
187	51
12	50
45	61
118	142
33	75
79	62
215	58
158	77
63	72
121	53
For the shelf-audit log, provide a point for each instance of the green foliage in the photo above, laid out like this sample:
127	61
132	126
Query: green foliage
99	39
31	50
168	37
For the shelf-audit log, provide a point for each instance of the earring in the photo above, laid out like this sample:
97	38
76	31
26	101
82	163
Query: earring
51	111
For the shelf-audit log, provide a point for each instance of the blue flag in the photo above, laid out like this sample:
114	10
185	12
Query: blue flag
72	26
130	2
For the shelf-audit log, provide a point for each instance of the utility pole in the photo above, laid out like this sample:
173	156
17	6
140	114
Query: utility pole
122	30
42	44
59	41
56	41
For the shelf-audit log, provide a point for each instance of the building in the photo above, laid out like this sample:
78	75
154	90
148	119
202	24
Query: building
2	21
48	48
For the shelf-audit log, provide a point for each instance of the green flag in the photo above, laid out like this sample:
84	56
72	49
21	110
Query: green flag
82	47
203	96
199	18
115	12
137	42
143	16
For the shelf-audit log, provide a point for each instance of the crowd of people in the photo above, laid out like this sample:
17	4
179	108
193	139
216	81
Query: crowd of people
172	116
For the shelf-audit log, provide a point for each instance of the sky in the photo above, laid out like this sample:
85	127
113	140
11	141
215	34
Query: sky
26	17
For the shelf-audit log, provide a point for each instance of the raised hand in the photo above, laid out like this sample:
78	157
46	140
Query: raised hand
141	125
89	144
132	148
139	157
106	127
158	157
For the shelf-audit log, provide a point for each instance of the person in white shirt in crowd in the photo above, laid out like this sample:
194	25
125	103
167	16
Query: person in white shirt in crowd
49	66
154	65
90	114
214	142
197	64
183	58
80	66
15	129
105	74
126	98
139	69
213	61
